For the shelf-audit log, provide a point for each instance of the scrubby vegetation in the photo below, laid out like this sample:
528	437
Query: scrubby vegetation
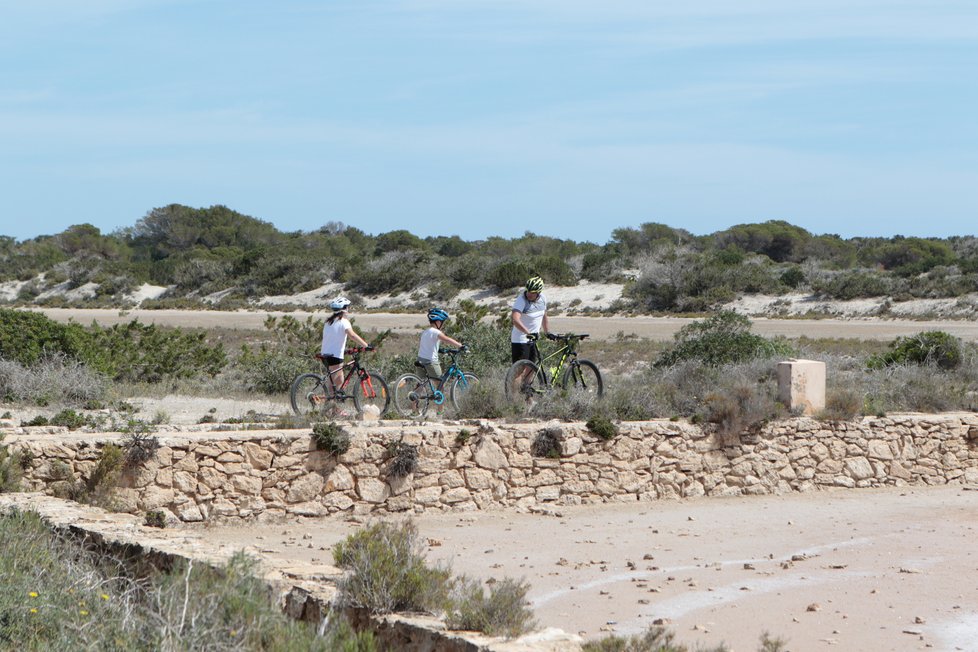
233	258
659	639
57	596
331	438
387	572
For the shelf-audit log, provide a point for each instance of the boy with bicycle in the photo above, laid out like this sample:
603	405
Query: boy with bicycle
431	339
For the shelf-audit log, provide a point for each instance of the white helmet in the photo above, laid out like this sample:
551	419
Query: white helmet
339	303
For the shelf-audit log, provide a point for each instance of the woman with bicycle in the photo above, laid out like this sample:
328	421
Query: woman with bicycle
335	331
529	315
431	338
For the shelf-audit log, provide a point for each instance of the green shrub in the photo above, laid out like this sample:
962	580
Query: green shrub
505	611
403	459
602	427
386	571
548	443
39	420
331	437
721	339
739	408
929	347
106	470
70	419
25	337
463	436
155	518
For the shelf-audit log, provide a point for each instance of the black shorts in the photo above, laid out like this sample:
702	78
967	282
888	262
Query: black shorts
523	351
332	361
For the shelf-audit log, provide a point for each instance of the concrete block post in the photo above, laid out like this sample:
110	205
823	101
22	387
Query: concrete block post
801	385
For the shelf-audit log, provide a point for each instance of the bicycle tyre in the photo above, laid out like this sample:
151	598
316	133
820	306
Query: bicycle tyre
534	380
583	378
308	394
403	387
460	387
371	392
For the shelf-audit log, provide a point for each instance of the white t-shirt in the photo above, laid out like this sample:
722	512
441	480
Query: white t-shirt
531	314
334	337
428	350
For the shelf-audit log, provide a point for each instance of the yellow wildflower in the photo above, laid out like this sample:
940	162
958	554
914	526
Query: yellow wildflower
33	594
83	612
33	610
105	596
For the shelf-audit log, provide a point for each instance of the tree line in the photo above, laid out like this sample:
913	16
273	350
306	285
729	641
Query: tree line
198	251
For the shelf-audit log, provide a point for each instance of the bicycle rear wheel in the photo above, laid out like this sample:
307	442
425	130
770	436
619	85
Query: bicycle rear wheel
461	385
308	394
370	395
411	396
525	380
583	379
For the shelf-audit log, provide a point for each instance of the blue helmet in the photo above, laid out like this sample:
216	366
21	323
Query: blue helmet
437	314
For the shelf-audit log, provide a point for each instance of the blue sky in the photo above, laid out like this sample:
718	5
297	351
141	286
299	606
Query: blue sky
493	117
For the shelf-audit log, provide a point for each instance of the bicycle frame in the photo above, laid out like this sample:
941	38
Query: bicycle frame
566	352
350	369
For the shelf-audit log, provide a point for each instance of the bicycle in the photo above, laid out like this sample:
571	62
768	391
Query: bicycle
311	392
530	379
414	393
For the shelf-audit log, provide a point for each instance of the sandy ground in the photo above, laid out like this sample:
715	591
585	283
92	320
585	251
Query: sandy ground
656	328
851	570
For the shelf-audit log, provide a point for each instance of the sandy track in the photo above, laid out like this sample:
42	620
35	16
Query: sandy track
655	328
851	570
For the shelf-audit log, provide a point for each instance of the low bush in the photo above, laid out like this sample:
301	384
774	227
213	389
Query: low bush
842	403
744	406
505	611
602	427
331	437
387	572
56	379
659	639
70	419
548	443
139	448
403	459
155	518
721	339
930	347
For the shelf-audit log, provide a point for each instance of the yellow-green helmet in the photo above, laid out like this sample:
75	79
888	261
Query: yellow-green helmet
534	284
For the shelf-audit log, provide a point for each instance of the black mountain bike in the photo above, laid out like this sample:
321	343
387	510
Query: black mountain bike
311	393
560	370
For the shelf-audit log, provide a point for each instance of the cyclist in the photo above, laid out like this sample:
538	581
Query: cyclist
431	338
335	331
529	315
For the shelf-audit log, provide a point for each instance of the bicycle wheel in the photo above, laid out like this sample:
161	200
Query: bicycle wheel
525	380
308	394
411	396
583	378
371	395
460	387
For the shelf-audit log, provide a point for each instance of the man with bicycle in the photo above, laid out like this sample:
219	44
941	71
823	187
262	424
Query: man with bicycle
529	315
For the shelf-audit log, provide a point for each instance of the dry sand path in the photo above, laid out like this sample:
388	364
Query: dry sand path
655	328
892	569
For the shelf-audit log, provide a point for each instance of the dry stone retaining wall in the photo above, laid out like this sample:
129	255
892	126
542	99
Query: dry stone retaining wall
482	465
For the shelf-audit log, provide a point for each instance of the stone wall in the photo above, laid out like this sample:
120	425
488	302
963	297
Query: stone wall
484	464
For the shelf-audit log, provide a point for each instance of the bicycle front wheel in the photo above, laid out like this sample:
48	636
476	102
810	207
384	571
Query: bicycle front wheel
583	379
525	380
371	396
460	387
411	396
308	394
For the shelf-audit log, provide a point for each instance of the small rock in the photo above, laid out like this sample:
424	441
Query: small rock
814	607
913	632
662	621
749	567
919	621
912	571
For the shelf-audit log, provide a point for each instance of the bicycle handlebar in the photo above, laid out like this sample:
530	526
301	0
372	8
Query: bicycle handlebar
351	351
570	336
446	351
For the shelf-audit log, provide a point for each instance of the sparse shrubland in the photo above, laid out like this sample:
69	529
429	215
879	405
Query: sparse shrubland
387	572
59	596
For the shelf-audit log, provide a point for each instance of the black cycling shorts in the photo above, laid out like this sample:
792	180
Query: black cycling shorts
332	361
523	351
